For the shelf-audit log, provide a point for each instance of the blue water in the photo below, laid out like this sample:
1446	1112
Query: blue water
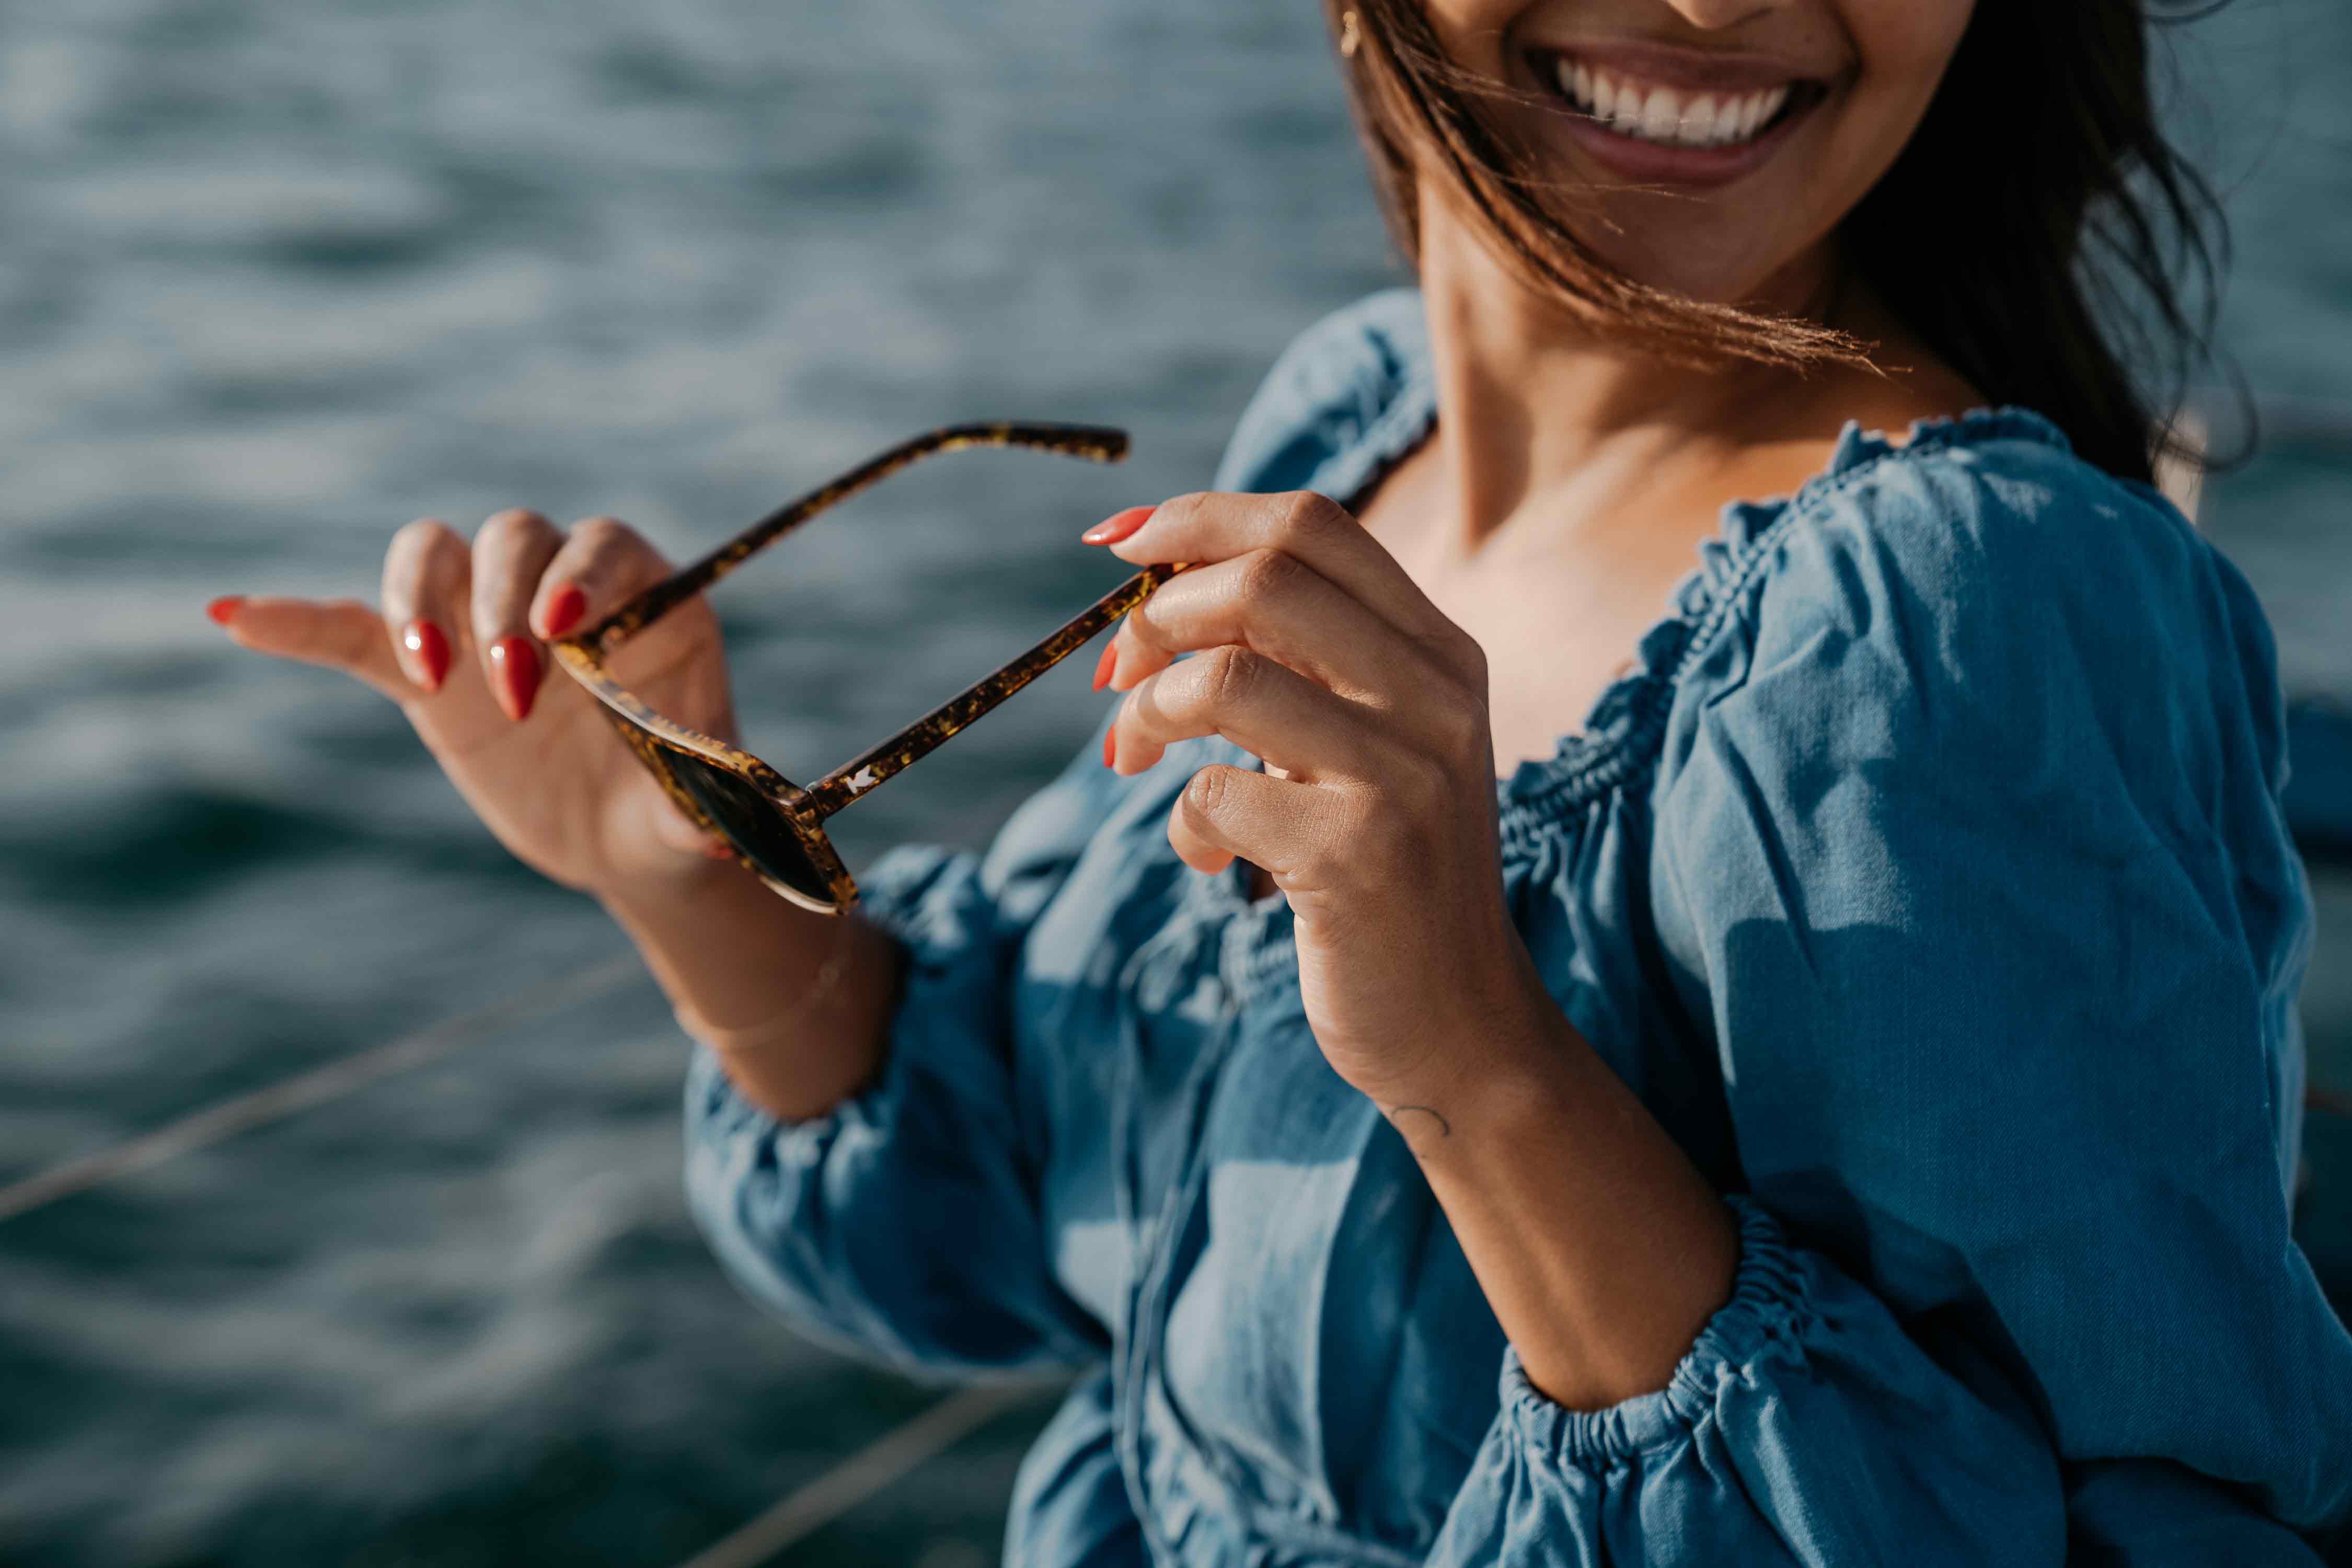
275	279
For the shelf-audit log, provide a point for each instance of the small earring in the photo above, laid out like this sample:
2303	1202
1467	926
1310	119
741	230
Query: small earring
1351	37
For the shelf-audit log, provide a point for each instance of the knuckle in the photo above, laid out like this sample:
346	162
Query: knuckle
1383	831
1230	673
423	560
514	523
1470	657
607	554
1141	627
1269	573
1459	729
1458	657
424	536
1304	513
1206	792
602	533
1178	516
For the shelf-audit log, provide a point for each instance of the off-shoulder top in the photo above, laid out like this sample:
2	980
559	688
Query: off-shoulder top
1926	880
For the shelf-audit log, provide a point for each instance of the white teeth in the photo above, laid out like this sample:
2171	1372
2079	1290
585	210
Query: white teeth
1739	118
1654	114
1662	117
1698	124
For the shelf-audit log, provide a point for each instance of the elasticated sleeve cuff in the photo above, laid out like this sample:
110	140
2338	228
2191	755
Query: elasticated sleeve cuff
1803	1426
1764	1323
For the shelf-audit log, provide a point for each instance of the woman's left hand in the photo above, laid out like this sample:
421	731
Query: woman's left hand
1317	653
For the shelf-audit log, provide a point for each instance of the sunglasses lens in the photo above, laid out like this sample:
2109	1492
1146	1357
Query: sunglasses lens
752	821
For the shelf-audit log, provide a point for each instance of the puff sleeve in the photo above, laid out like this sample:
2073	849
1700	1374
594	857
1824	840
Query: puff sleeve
1968	855
906	1223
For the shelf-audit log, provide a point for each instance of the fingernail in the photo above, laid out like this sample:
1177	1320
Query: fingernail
1104	665
719	849
222	608
517	667
563	609
1110	742
1113	528
428	650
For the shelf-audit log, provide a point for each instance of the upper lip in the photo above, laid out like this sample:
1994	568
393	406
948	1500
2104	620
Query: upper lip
1669	64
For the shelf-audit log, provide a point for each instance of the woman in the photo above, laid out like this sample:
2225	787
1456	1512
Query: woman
1845	1092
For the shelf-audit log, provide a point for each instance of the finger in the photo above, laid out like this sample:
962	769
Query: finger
427	572
1213	525
1265	708
340	634
1274	604
602	565
1223	812
510	552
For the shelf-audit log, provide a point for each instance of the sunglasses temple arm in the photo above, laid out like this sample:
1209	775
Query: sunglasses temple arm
1099	443
855	778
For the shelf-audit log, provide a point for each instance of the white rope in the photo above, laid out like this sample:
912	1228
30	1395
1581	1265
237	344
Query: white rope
861	1475
814	1506
243	1113
810	1509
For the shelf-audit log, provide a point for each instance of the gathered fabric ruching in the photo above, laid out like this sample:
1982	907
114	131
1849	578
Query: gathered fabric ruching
1925	877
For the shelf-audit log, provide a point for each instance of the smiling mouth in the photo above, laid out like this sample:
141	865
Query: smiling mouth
1667	116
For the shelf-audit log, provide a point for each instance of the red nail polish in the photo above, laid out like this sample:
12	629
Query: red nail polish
222	608
1104	665
1110	743
563	608
517	665
1113	528
429	649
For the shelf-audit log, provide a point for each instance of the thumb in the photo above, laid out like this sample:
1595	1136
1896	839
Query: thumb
341	634
664	823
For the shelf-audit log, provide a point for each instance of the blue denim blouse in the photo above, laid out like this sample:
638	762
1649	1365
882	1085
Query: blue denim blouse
1926	880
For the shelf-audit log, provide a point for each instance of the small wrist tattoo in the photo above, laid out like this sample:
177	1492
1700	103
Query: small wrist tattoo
1397	1114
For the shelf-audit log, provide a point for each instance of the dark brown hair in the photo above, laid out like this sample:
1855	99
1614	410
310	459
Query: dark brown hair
2038	232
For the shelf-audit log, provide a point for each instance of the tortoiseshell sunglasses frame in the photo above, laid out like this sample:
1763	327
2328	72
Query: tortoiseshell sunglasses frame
802	810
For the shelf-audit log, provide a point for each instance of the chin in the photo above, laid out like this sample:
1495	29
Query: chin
1705	267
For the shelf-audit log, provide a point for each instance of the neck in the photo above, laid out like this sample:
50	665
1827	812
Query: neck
1532	398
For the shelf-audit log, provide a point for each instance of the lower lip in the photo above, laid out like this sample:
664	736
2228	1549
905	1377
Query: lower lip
1654	163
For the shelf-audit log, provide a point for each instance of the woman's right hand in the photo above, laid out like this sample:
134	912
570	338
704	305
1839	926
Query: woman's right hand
457	643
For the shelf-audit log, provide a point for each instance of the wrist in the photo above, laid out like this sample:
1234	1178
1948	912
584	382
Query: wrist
790	1015
720	942
1602	1248
1505	1044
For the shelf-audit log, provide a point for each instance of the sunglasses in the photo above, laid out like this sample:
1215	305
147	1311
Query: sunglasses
776	827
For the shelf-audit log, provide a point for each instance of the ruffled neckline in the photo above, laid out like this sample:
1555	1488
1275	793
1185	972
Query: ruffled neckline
1625	726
